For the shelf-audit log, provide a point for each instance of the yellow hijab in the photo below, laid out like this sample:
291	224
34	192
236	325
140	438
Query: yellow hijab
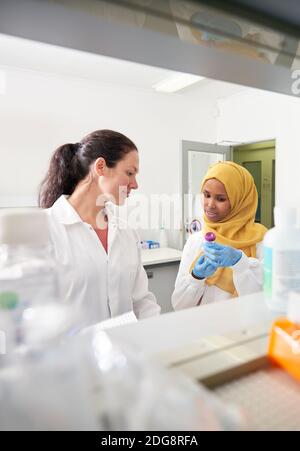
238	229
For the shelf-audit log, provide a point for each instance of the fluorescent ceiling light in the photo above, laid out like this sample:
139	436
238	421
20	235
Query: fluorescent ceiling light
176	82
2	83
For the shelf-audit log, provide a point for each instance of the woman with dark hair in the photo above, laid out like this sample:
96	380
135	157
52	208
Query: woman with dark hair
101	256
232	265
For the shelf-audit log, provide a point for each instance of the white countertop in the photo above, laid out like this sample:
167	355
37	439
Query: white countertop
161	255
177	329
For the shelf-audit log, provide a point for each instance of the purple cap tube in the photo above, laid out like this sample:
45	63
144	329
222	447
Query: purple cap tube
210	237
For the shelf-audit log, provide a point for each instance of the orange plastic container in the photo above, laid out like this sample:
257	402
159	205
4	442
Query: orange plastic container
284	346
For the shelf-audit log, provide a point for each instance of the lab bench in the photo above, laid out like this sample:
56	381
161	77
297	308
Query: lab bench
162	266
184	328
224	346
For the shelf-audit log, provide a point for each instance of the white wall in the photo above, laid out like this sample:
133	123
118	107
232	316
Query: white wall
258	115
40	112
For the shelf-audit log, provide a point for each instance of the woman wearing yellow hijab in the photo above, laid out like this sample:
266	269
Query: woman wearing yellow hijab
232	265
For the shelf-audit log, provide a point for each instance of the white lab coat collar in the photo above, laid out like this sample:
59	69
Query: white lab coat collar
67	215
64	213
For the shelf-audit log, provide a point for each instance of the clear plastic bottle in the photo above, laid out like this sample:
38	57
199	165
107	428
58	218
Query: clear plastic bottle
28	274
282	259
163	238
44	378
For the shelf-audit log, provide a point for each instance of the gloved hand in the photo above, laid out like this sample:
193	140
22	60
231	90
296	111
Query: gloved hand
204	268
221	256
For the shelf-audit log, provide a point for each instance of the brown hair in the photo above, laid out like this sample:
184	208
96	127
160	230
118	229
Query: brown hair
71	163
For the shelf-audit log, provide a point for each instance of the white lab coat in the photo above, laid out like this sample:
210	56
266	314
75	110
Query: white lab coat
106	285
190	292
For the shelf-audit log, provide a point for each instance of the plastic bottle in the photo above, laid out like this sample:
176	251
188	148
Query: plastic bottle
45	383
284	342
282	259
163	239
293	311
28	273
49	388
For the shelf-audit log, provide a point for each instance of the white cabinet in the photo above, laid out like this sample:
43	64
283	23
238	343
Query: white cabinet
162	266
161	282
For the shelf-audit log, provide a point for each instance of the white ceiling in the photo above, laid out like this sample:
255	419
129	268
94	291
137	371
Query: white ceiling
35	56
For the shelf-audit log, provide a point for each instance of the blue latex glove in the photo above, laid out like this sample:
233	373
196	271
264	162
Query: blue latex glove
221	256
204	268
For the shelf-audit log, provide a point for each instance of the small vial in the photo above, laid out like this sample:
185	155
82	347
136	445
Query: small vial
210	237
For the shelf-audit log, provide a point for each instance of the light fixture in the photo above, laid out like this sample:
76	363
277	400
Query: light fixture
176	82
2	83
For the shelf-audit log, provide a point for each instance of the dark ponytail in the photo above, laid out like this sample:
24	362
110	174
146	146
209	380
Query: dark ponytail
71	163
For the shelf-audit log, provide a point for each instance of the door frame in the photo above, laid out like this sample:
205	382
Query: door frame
196	146
255	145
259	145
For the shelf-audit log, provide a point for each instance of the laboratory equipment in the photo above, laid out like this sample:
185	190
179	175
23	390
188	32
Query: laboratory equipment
284	346
150	244
28	273
163	238
31	308
282	259
210	237
241	368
